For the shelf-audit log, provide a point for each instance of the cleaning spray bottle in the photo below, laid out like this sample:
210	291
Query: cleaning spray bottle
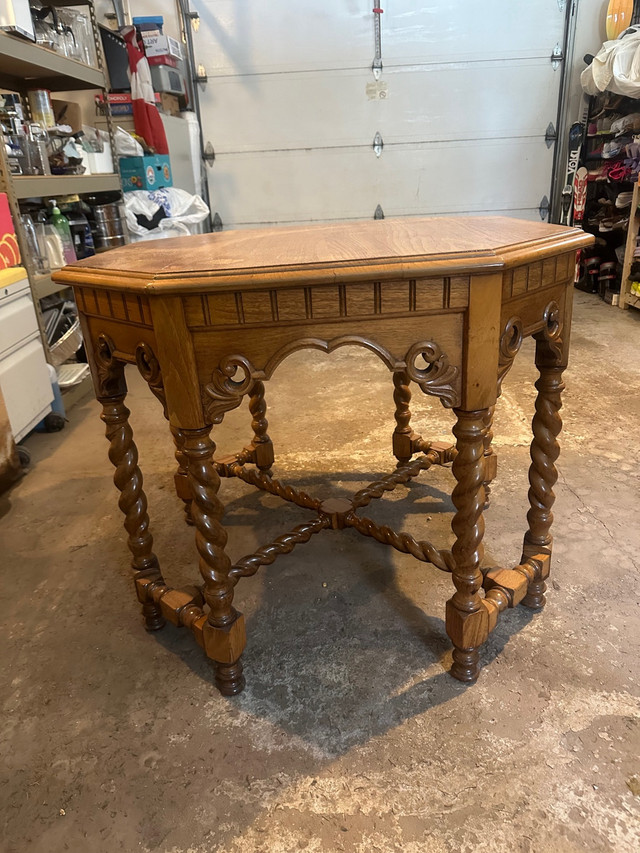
61	224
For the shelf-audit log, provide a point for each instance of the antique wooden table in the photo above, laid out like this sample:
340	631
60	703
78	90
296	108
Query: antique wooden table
445	303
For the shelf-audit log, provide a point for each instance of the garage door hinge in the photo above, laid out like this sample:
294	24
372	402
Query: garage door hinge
208	155
557	57
544	208
201	75
550	135
379	214
378	144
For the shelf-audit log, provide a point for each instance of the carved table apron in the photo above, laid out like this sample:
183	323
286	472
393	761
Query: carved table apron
445	303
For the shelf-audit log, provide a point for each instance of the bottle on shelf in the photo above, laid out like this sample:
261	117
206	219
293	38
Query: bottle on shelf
61	224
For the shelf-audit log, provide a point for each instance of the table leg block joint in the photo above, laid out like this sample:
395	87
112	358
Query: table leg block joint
467	632
512	581
535	598
224	646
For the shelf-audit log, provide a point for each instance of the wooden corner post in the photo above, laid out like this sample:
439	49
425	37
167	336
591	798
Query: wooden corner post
466	617
223	632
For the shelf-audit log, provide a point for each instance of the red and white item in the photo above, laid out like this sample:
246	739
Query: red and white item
145	115
579	195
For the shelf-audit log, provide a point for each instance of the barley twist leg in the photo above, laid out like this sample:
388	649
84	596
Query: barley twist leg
403	434
261	446
223	633
467	622
181	480
543	475
132	502
490	457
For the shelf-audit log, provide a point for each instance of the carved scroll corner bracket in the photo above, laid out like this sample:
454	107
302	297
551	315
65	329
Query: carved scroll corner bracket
510	343
110	371
225	392
147	363
149	368
438	377
552	329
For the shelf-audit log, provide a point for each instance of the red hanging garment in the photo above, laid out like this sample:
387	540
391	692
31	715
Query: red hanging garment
145	113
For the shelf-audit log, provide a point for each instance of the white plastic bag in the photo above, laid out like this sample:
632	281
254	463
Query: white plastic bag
183	212
126	145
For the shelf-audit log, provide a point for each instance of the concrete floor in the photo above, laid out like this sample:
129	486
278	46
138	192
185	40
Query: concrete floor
350	736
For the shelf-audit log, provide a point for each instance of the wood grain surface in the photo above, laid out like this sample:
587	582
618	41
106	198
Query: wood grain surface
250	258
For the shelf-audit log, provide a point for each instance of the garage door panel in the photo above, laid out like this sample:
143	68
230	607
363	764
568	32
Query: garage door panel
242	37
459	29
292	108
305	186
282	35
422	105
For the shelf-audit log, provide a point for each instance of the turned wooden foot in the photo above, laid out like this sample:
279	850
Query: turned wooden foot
466	665
535	598
153	618
467	620
229	678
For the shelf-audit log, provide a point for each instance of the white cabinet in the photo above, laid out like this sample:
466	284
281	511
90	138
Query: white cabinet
24	374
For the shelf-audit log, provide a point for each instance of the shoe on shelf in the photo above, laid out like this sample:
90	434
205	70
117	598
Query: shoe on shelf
624	199
611	149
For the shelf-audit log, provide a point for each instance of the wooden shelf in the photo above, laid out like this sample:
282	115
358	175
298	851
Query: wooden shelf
25	65
56	186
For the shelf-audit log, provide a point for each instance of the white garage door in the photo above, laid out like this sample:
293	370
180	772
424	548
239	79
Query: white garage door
292	107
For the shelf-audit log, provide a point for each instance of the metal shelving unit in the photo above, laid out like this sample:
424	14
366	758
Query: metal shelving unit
23	66
43	285
38	186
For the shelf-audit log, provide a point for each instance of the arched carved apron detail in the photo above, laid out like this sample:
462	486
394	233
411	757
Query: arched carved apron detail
235	376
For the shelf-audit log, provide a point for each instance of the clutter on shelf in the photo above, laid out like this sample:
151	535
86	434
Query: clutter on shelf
53	141
66	31
610	165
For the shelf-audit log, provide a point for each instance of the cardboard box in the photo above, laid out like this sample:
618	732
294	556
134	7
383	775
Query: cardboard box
120	103
164	59
68	112
145	173
169	104
9	251
15	17
161	46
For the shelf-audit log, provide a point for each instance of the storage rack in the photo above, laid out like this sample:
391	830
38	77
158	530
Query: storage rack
25	65
628	298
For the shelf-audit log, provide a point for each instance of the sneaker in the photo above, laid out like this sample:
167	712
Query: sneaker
611	149
624	199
